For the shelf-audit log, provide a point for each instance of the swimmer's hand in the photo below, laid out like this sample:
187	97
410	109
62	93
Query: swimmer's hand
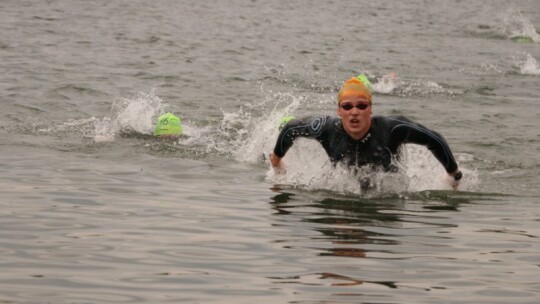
455	177
277	164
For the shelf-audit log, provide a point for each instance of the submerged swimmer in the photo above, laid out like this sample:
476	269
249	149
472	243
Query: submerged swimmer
358	139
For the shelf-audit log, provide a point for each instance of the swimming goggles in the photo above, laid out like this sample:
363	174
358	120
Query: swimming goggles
347	106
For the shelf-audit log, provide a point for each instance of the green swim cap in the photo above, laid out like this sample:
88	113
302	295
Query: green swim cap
168	124
363	78
284	120
522	39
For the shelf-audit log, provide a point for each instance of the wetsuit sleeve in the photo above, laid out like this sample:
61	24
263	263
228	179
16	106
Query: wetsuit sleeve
403	130
309	127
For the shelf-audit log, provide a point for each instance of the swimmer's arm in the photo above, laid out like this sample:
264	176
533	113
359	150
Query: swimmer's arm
293	129
284	142
297	128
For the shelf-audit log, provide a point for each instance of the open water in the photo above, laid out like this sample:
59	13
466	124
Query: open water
93	210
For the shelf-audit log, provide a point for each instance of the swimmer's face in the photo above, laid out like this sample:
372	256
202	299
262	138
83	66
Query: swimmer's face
355	116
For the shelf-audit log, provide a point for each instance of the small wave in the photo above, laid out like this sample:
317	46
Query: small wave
424	88
83	128
393	85
483	69
73	92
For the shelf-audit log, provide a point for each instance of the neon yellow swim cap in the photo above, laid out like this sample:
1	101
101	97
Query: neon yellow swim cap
284	120
363	78
168	124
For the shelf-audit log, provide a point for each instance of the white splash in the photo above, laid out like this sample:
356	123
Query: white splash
129	115
386	83
528	65
426	173
308	167
516	25
255	145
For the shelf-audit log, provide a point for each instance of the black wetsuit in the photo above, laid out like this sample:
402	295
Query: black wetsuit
377	148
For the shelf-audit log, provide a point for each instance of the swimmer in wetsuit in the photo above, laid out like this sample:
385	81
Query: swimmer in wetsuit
357	139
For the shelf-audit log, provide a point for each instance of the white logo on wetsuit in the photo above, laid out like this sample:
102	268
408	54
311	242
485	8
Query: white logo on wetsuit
316	125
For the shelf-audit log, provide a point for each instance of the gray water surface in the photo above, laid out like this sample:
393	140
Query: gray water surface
93	210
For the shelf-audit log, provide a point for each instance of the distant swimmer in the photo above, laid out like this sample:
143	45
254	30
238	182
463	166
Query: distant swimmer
168	125
522	39
357	139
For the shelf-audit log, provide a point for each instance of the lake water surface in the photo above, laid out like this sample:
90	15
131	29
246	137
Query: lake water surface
94	210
